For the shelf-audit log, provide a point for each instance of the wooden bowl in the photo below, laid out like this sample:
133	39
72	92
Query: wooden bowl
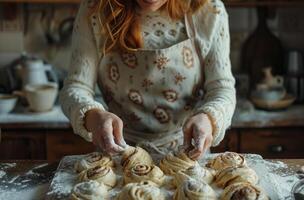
274	105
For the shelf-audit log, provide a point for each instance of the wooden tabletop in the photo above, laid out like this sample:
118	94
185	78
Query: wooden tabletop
25	175
48	168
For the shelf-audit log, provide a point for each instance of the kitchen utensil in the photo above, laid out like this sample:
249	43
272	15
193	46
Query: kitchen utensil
273	105
8	83
262	49
41	97
295	62
33	70
270	80
7	103
295	75
269	94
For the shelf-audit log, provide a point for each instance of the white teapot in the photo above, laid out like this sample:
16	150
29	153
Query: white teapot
34	71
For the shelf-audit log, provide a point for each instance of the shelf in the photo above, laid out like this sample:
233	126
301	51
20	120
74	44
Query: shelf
230	3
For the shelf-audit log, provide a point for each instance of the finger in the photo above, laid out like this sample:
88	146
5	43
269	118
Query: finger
101	145
118	133
97	141
199	145
207	144
196	153
108	140
187	135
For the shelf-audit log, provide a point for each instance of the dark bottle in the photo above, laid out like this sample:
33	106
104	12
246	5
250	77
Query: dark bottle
262	49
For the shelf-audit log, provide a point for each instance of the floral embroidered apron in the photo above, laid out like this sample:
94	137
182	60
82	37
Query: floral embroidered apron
153	90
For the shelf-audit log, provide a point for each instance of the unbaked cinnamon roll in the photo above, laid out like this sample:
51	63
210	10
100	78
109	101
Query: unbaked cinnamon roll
92	160
243	190
227	159
195	172
133	156
194	190
141	191
233	175
143	172
173	163
101	174
89	190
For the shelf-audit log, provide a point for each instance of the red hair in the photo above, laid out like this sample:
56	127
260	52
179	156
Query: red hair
120	23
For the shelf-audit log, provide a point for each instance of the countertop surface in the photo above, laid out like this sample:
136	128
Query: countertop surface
33	177
244	117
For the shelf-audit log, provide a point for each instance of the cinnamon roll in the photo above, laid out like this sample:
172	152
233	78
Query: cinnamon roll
141	191
133	156
101	174
173	163
194	190
227	159
243	190
195	172
92	160
89	190
143	172
232	175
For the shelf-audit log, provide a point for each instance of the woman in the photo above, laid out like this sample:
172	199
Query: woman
162	67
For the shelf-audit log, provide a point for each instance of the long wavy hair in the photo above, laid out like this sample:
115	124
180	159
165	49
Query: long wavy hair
120	24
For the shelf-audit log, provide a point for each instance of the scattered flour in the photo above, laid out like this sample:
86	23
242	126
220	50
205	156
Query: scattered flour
27	186
62	184
4	166
2	173
34	193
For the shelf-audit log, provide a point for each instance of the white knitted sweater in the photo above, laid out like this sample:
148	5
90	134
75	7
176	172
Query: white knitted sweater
212	32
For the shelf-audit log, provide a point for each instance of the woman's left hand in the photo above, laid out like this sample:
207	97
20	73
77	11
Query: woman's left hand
199	129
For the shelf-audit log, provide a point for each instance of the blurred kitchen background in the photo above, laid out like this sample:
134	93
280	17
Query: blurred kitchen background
267	46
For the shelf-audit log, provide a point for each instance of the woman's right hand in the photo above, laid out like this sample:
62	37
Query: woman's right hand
107	130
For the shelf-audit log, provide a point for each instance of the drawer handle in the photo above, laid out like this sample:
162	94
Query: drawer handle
276	148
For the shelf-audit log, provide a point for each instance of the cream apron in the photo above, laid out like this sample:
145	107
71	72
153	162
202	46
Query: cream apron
154	90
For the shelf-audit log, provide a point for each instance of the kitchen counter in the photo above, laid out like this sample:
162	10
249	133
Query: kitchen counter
32	178
243	118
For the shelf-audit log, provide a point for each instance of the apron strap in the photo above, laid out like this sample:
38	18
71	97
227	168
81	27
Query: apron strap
191	30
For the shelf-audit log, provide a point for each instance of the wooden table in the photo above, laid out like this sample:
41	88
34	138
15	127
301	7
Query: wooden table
38	174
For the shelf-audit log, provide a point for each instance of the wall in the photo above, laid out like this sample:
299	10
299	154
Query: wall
20	35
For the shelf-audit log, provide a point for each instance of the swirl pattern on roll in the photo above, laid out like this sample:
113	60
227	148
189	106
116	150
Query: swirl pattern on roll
195	172
135	155
233	175
173	163
194	190
227	159
89	190
143	172
141	191
92	160
101	174
240	191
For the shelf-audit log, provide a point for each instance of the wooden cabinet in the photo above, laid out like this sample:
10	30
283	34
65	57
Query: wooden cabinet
41	144
64	143
26	144
273	143
54	143
229	143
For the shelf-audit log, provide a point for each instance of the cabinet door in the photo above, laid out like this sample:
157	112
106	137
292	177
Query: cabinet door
273	143
63	143
22	145
229	143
